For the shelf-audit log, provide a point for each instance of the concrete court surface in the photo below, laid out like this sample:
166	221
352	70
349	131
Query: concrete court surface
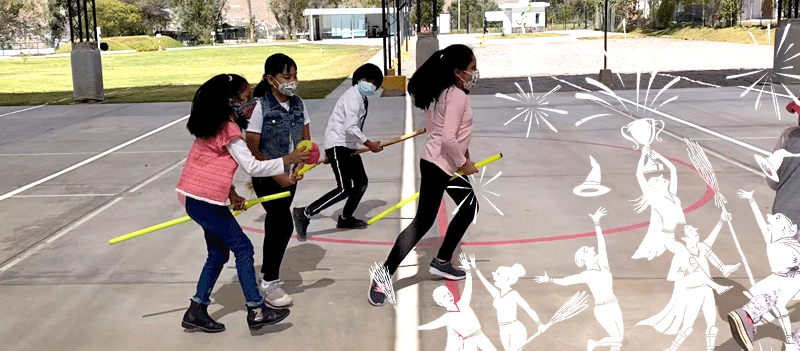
63	287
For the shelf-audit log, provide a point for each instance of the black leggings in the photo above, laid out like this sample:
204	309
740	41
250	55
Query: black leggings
278	225
351	182
434	182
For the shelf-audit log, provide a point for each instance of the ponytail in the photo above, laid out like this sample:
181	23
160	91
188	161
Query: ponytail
436	74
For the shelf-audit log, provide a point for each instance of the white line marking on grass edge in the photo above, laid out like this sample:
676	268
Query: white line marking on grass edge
89	160
157	175
23	110
406	333
59	234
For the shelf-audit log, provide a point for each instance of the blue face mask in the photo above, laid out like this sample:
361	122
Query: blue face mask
366	89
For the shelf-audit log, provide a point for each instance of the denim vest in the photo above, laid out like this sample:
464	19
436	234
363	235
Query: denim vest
281	129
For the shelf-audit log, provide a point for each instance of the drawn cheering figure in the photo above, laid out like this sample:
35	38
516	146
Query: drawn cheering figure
460	318
598	277
661	195
512	332
693	290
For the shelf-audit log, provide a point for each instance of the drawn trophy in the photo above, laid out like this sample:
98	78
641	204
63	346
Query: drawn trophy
643	132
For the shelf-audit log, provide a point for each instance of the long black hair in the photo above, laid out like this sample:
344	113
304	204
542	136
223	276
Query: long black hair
436	74
275	65
211	106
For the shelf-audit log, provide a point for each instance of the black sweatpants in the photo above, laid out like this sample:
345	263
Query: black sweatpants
434	182
351	182
278	225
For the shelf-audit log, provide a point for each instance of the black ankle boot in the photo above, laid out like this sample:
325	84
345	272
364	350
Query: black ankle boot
197	318
260	316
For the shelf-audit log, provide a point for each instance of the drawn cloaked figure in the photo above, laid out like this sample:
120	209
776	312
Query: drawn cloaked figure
598	277
460	320
512	332
693	290
661	195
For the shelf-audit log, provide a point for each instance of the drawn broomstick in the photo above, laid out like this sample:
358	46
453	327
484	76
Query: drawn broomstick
576	304
703	167
386	143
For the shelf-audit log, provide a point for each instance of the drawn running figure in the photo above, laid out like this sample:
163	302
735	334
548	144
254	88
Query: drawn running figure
598	277
692	291
460	318
512	332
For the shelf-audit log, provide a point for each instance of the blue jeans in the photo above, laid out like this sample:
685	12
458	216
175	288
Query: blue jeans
223	234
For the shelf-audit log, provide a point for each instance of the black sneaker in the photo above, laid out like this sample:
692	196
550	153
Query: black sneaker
351	223
742	328
376	296
260	316
301	222
446	270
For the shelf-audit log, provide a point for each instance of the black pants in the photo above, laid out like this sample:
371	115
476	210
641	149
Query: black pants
432	186
278	225
351	182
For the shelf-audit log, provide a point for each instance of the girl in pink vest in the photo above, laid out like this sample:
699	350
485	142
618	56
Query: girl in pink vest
207	180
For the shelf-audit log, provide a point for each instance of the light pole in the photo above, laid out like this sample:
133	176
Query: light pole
605	73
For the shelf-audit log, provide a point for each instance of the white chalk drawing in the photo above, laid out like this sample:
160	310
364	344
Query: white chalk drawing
661	195
644	131
506	300
459	319
703	167
772	76
533	106
771	164
480	187
694	289
600	281
605	90
783	252
591	186
575	305
383	279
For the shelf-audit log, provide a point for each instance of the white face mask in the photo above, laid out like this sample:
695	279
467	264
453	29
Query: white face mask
366	89
288	89
471	83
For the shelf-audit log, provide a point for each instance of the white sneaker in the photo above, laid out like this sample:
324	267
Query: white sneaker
274	295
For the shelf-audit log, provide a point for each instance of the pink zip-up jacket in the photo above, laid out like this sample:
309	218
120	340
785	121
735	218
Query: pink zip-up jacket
449	130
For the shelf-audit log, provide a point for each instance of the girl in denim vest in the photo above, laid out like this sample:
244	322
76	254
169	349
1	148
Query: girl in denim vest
278	123
206	182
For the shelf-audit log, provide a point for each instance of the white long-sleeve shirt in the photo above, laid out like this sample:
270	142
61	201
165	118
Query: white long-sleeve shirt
347	121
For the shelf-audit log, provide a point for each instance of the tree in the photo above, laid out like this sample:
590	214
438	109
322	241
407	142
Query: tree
200	17
116	18
426	10
57	20
10	21
729	11
156	14
472	9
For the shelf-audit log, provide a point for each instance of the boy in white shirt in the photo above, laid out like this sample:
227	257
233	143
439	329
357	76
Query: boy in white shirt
342	138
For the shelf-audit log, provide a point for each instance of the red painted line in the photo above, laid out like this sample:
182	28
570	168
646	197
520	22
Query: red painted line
709	194
441	217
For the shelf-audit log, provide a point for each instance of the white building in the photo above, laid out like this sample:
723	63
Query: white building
522	16
345	23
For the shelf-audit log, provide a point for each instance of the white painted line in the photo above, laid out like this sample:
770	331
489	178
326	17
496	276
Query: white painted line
568	83
65	195
58	234
691	80
741	138
158	175
406	333
92	153
89	160
766	92
23	110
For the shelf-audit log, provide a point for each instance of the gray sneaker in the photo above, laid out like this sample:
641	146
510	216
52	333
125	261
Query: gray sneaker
742	328
274	295
446	270
301	222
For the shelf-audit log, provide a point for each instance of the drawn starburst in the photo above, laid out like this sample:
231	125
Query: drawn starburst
607	91
533	106
771	76
480	186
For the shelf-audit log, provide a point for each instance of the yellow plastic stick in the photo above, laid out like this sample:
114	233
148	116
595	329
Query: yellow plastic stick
481	163
248	204
393	208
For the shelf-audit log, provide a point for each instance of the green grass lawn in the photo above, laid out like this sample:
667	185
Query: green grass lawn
527	35
174	75
740	35
138	43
